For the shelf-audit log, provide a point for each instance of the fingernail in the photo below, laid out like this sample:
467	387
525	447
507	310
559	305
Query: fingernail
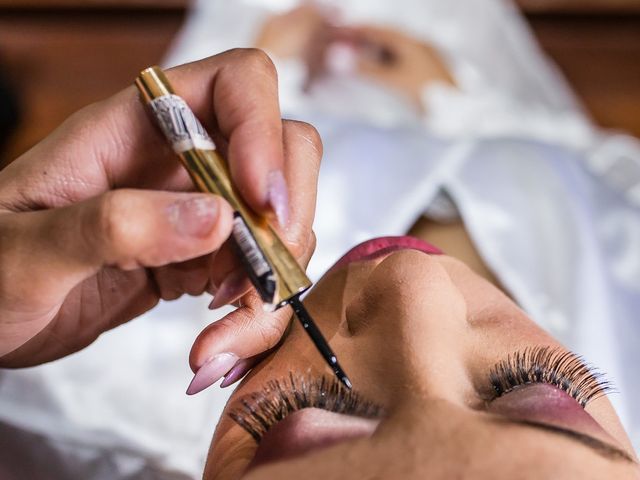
211	372
194	217
279	196
243	366
238	371
234	286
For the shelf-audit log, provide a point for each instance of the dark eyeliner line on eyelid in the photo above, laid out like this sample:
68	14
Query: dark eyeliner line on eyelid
599	446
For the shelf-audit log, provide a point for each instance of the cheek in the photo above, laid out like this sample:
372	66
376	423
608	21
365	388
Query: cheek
231	451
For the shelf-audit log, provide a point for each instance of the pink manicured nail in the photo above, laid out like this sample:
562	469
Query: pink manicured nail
238	371
234	286
211	372
194	217
243	366
279	196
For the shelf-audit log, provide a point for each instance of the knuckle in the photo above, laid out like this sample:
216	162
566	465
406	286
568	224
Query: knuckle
311	245
260	60
311	133
256	60
269	331
79	117
295	241
111	221
78	126
82	122
236	323
305	248
307	133
264	329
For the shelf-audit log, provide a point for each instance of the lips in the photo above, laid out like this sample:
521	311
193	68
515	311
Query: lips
308	430
380	246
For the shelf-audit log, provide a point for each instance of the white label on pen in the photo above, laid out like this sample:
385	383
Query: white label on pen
180	125
249	247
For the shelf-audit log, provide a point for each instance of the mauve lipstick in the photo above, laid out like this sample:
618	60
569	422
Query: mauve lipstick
377	247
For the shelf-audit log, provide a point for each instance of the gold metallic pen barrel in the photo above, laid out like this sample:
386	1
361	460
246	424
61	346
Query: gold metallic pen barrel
273	270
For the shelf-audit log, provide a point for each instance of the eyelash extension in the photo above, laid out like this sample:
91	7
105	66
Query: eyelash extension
260	411
565	370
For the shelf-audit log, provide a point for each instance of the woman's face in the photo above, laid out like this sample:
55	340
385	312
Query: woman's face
431	350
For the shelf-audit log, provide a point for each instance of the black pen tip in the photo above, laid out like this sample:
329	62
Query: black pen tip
318	340
337	369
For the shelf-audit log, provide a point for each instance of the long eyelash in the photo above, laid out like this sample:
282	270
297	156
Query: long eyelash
551	365
259	411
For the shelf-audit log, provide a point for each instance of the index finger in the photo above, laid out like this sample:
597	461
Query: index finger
244	107
115	144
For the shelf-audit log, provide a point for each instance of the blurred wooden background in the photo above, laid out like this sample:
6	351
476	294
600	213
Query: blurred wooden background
63	54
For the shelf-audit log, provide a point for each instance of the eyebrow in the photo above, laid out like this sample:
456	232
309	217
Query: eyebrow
602	448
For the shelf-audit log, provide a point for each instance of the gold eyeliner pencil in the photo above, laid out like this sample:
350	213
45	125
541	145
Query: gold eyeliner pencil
273	270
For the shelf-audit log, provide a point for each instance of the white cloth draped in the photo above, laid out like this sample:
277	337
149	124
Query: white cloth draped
552	205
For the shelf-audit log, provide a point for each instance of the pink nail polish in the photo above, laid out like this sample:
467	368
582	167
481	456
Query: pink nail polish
234	286
279	196
243	366
238	371
211	372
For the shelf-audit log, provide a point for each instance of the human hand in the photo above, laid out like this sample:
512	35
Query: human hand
99	221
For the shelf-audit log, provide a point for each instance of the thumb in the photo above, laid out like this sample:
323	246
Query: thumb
51	251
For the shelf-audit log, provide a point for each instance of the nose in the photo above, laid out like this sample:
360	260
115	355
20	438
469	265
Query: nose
409	319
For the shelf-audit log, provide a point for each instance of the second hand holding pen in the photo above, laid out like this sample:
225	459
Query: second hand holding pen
274	272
